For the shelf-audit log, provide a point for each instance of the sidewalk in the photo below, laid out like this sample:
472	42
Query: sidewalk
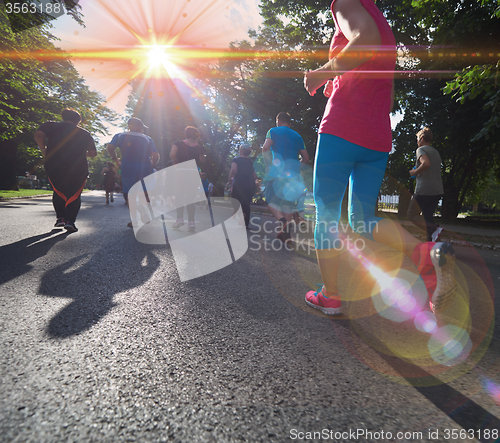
449	227
462	229
456	234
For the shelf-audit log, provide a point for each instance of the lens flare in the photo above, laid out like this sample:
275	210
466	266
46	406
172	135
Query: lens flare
449	345
492	389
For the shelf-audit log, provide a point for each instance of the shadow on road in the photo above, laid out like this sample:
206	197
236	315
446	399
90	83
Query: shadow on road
15	258
91	282
468	415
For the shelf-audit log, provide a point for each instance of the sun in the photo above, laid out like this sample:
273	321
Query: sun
158	56
162	61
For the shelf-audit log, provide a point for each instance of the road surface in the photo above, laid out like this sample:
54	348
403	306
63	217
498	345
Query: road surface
101	341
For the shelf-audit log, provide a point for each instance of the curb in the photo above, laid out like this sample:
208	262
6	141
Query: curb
6	199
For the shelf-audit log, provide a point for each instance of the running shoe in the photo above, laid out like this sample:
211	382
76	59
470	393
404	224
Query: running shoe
191	226
178	224
284	234
443	258
327	305
436	235
299	220
60	223
70	227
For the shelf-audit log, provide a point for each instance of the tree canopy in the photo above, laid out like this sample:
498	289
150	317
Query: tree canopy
37	81
445	47
446	78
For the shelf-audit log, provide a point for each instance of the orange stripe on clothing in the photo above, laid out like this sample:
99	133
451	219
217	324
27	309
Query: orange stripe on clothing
75	196
59	193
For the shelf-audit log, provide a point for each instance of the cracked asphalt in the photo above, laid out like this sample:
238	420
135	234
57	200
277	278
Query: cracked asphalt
100	341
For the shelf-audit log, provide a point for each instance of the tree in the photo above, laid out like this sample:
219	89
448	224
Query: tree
454	30
266	77
37	81
422	29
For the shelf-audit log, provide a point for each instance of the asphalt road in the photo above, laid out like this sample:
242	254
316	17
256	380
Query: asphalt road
101	341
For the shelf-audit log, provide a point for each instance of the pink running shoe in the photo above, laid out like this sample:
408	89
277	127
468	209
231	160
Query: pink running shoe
179	222
327	305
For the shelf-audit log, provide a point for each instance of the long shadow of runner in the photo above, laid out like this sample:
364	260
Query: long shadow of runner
461	409
15	258
114	268
464	411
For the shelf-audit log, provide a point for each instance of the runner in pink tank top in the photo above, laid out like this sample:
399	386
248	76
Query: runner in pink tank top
354	141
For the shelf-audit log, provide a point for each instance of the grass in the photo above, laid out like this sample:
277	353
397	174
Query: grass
6	195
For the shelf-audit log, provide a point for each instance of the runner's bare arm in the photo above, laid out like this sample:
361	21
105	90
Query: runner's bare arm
425	164
232	172
202	157
305	156
266	152
173	154
155	157
40	137
112	152
360	29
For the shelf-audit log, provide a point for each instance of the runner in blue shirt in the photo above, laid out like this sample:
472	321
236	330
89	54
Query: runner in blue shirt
283	180
139	154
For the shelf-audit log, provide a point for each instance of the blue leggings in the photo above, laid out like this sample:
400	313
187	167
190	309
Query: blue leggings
337	163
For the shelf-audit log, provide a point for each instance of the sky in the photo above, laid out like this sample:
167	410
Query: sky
107	51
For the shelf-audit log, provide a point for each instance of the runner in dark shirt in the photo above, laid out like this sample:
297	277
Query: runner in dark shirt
66	147
243	176
183	151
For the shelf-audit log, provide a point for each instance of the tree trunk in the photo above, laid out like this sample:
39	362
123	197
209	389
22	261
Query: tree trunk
404	203
451	206
8	164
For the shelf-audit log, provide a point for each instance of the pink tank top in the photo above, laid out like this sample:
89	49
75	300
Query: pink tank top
358	109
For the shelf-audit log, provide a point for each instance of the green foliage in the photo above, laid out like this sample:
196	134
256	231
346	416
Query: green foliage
479	81
463	128
96	165
488	194
30	14
474	26
37	81
257	88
